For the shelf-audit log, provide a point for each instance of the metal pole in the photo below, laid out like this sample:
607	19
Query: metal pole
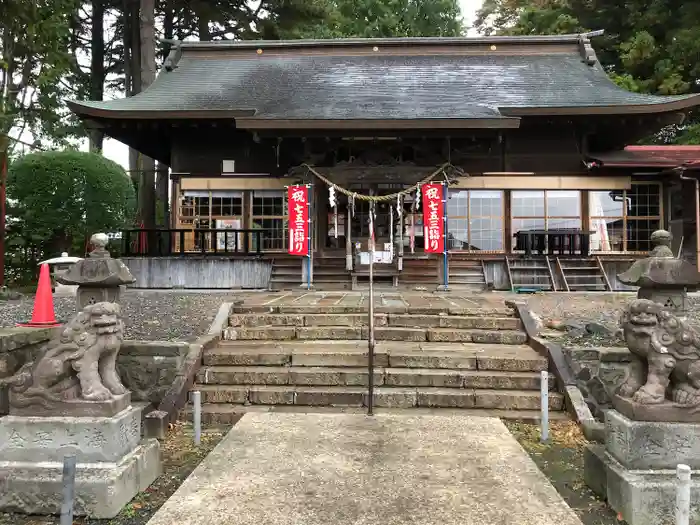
370	341
544	399
68	490
309	258
197	416
682	495
445	269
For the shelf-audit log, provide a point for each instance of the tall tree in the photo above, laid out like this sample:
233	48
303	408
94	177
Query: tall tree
146	165
649	46
386	18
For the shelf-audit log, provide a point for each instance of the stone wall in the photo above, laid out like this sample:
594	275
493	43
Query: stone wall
598	372
147	368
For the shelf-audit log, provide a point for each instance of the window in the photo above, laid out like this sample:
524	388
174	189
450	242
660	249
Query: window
623	220
545	210
269	213
210	210
475	220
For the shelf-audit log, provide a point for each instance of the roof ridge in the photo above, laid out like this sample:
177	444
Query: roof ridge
572	38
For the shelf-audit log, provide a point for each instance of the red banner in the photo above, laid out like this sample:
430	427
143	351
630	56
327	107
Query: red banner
433	223
298	211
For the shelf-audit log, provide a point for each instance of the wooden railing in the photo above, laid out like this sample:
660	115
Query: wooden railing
181	241
553	242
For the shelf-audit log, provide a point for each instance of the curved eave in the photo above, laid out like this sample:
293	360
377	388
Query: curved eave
451	123
677	104
86	110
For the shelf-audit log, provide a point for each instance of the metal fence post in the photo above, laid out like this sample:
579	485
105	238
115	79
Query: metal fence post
682	495
69	463
197	416
544	400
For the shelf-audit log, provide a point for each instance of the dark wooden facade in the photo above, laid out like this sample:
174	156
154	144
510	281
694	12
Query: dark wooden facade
522	121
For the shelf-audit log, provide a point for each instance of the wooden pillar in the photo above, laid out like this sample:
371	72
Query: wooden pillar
348	239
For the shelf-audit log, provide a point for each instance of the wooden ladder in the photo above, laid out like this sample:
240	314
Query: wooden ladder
527	275
583	274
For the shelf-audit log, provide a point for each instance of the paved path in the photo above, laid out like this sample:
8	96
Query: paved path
412	302
345	469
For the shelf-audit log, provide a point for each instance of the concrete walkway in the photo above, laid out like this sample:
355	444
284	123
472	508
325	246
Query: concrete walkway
345	469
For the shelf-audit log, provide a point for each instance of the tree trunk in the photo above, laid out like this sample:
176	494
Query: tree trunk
147	197
202	11
132	72
168	26
97	67
163	192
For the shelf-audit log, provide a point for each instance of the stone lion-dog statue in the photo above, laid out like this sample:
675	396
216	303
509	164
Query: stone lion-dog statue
665	351
78	366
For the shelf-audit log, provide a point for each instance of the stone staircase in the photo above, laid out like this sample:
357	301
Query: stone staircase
305	358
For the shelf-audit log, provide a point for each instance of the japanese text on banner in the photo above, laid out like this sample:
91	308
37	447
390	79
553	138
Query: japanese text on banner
433	222
298	211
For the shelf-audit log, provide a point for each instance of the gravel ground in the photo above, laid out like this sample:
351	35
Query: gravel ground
148	316
580	309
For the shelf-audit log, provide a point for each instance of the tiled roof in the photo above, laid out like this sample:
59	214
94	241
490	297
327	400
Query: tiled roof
651	156
394	86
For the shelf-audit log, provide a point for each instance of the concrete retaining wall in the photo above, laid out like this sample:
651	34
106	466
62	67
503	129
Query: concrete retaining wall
147	368
598	373
199	272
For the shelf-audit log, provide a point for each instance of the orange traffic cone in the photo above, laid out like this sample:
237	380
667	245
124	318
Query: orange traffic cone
43	315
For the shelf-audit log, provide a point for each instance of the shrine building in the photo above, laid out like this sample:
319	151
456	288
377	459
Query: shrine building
527	133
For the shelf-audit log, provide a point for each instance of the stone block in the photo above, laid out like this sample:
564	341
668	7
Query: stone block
422	377
354	320
397	334
91	439
267	333
329	332
511	363
501	337
647	497
253	320
594	471
480	323
148	368
244	375
446	398
314	357
449	335
415	321
502	380
271	395
393	397
515	399
331	376
651	445
431	359
330	396
227	356
74	407
225	394
101	489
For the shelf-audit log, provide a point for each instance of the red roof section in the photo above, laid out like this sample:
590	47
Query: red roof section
652	157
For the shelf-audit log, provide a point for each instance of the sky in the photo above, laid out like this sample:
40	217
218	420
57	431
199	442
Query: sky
116	151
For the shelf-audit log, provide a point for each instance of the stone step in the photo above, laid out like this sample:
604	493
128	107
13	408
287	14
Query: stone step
464	356
380	320
384	396
337	308
381	333
228	414
358	376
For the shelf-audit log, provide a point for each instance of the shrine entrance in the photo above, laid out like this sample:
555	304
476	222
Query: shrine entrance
353	221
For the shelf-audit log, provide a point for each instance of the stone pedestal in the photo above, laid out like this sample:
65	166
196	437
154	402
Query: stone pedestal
113	462
636	468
